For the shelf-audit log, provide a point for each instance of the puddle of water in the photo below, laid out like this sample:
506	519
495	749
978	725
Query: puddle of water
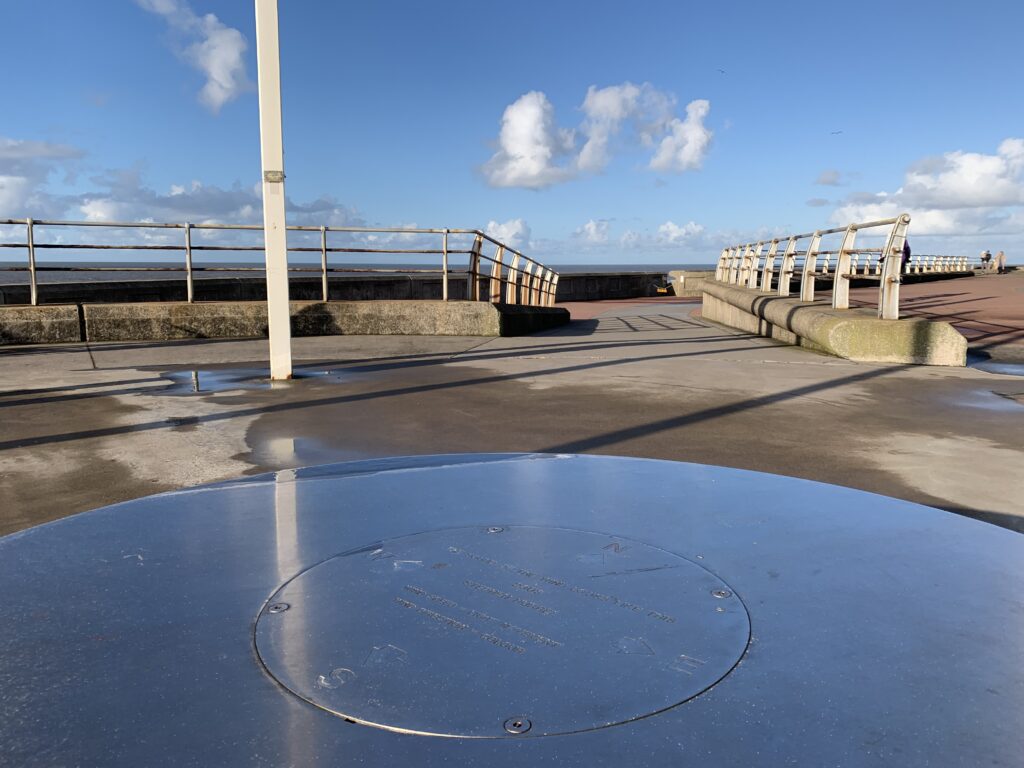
299	452
991	401
994	366
215	380
1010	369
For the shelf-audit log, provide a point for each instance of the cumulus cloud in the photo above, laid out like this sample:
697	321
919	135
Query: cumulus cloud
593	232
670	232
206	43
531	146
534	152
25	167
607	109
958	193
514	232
687	142
829	178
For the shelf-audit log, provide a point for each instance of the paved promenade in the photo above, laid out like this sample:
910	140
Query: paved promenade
91	424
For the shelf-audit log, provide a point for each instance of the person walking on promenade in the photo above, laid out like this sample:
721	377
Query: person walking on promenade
1000	263
906	256
986	258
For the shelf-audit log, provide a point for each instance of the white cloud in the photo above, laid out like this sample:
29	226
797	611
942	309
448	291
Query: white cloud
829	178
606	109
670	232
534	152
817	202
959	193
530	146
593	232
100	209
25	167
514	232
687	142
16	150
14	192
216	50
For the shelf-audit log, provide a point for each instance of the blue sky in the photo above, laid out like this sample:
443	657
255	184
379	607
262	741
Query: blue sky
581	132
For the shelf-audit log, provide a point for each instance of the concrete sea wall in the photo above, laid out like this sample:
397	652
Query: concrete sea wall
150	321
572	286
855	334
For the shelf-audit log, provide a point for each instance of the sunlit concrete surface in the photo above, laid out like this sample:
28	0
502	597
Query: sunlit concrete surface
86	425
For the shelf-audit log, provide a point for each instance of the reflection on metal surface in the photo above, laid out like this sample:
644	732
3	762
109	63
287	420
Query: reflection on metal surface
522	609
883	632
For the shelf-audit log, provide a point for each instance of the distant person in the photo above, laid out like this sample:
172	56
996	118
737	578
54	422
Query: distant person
986	257
1000	264
906	256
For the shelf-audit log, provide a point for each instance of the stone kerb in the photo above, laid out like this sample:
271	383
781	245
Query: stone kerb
854	334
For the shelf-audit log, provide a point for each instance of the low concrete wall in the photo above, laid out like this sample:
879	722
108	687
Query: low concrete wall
40	325
687	282
593	286
158	321
855	334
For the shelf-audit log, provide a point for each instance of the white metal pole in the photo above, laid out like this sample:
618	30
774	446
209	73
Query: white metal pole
272	160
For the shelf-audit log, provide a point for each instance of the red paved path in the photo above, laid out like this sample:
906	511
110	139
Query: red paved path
988	310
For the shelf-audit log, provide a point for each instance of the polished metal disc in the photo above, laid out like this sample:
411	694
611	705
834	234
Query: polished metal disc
466	632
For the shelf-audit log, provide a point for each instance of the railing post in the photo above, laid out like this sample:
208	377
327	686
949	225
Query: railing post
524	284
545	288
810	267
495	283
553	290
889	290
734	264
444	265
755	260
511	293
788	266
769	266
188	262
721	266
323	258
31	243
473	286
535	286
744	272
841	280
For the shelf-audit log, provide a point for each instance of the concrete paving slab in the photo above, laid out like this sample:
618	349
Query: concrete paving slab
92	424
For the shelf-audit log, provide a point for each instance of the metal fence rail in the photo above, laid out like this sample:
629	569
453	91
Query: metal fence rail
758	265
512	277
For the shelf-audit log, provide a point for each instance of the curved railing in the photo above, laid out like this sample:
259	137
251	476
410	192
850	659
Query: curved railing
511	277
770	265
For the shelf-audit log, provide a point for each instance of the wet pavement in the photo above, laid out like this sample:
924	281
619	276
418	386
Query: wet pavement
86	425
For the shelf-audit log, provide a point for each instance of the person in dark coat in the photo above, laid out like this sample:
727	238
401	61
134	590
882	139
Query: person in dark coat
906	256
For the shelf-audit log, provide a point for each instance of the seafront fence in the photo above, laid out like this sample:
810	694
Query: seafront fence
770	265
509	276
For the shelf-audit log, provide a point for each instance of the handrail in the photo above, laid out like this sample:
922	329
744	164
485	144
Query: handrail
522	281
742	264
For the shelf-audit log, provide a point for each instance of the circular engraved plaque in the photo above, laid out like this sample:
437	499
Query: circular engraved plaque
502	632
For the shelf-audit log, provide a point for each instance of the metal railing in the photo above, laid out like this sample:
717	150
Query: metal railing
512	278
753	265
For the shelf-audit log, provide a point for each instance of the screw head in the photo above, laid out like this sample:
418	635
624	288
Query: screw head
721	593
518	725
278	607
